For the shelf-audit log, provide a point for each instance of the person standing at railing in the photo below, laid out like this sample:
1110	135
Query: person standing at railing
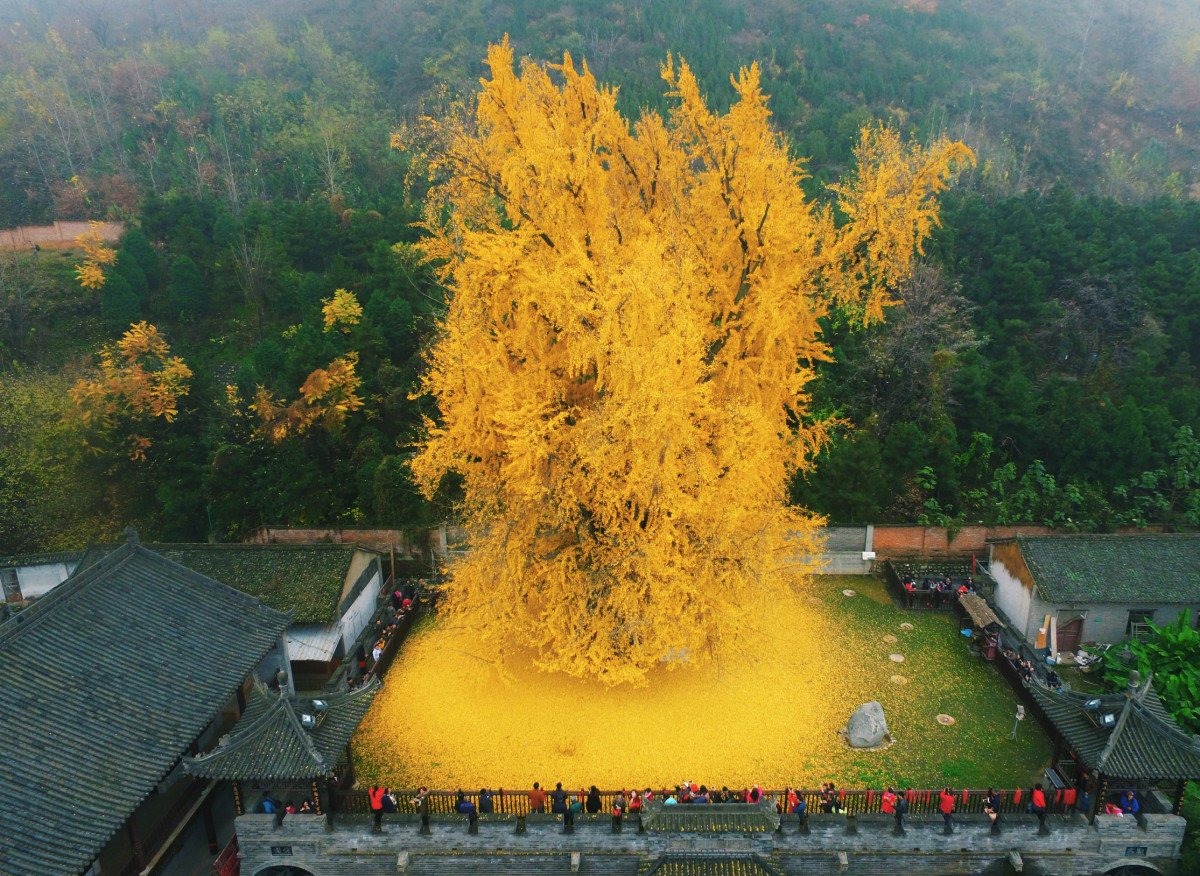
421	803
537	799
946	807
593	801
486	804
618	811
887	803
991	807
635	802
1037	805
800	810
901	809
558	800
375	795
463	806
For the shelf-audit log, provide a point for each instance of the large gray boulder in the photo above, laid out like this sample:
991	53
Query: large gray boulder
868	727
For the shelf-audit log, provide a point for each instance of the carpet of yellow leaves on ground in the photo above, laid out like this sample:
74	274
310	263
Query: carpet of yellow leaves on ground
449	717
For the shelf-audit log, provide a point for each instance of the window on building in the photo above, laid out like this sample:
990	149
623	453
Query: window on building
8	582
1138	618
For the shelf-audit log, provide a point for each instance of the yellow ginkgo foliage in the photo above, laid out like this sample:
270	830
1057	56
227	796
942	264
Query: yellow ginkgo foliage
90	272
622	372
341	311
139	380
326	396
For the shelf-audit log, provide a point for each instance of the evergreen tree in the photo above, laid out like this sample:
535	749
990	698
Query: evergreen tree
187	293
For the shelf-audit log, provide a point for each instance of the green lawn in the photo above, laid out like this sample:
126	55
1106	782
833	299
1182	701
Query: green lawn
943	677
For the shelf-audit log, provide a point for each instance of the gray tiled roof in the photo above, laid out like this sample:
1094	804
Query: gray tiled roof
270	744
1122	569
305	579
106	682
1145	743
711	864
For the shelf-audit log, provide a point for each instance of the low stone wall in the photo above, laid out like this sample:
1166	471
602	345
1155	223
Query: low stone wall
833	844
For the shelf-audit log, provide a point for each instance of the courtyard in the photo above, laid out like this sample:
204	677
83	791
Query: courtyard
451	717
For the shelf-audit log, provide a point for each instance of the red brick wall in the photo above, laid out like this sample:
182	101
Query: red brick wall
933	541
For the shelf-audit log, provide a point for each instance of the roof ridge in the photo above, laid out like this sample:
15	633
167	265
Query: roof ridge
31	559
248	734
1165	723
309	745
1109	536
1111	744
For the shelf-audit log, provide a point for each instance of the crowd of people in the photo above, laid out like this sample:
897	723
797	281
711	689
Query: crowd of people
568	804
401	603
271	805
936	591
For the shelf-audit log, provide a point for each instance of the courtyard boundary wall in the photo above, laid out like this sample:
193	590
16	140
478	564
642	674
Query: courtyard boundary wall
406	544
342	846
60	235
938	541
901	540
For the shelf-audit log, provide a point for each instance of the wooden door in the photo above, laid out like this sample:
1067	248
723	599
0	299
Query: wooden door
1070	635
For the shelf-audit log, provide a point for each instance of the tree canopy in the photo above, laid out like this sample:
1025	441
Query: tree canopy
622	371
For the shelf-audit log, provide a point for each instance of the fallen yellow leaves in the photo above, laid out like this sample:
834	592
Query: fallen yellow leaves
451	716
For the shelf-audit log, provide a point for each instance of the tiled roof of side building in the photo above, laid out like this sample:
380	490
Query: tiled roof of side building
306	580
1144	742
1124	569
270	744
106	682
26	560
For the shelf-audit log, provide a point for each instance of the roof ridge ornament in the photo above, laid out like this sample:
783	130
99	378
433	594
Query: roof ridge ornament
131	535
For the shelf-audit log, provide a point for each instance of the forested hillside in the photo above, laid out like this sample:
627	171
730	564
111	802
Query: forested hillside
1041	368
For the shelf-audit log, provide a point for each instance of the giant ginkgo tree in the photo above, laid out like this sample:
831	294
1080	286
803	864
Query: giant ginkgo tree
622	371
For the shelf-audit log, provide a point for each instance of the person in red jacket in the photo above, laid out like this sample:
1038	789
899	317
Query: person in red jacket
1037	805
887	803
537	799
946	807
375	794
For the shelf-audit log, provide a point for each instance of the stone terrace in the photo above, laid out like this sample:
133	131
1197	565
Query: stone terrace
866	845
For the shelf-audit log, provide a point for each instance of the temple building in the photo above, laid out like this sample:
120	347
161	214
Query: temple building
1061	591
1125	741
291	747
110	680
331	591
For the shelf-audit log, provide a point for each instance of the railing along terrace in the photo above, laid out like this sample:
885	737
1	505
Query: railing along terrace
895	571
850	801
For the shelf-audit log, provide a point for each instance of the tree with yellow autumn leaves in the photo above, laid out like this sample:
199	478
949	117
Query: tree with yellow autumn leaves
96	256
623	371
138	381
327	394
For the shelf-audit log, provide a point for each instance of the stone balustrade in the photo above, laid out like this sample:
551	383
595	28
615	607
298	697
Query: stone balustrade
867	844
